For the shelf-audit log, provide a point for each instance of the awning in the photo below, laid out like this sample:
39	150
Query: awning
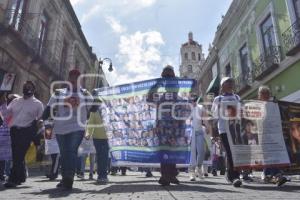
214	86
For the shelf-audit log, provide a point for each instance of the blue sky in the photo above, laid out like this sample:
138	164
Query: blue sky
142	36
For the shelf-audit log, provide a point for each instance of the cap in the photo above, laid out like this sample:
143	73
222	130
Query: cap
75	72
224	79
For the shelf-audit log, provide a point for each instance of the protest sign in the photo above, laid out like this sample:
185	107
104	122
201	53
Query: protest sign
148	122
256	139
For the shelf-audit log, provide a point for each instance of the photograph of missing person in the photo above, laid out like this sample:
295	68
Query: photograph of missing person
8	82
249	132
295	138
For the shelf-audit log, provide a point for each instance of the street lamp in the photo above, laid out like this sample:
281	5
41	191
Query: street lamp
101	62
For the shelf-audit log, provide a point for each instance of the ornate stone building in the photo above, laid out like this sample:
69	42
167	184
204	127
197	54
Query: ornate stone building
192	59
41	40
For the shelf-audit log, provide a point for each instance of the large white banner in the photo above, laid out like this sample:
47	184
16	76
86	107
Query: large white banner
256	139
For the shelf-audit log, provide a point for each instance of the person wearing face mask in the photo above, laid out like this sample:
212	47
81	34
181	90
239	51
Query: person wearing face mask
24	112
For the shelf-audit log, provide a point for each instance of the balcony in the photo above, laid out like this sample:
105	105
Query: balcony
18	26
266	62
243	82
291	39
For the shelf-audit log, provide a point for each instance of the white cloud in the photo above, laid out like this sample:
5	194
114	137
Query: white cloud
140	52
115	24
111	7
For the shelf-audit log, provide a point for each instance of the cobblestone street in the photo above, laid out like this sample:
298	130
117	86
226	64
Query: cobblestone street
136	186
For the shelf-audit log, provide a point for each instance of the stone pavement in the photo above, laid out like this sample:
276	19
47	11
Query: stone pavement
135	186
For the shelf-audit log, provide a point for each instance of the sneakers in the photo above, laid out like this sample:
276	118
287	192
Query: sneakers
174	180
149	174
91	176
281	180
193	177
102	180
163	182
214	172
237	183
80	176
65	184
10	184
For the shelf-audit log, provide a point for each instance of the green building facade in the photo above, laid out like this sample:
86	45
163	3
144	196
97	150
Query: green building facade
258	44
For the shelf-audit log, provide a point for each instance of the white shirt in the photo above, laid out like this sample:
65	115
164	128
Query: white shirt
218	108
75	117
23	111
197	118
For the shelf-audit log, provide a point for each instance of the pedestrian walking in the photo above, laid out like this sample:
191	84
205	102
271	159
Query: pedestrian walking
71	107
197	142
96	130
25	112
270	175
226	95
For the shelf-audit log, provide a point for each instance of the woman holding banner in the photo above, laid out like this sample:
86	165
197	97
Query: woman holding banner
96	130
226	95
198	141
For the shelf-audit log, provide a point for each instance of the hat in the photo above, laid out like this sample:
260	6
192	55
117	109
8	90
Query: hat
74	72
224	79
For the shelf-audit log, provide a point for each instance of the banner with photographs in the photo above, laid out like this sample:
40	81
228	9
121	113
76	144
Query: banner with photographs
290	116
256	139
5	147
148	122
51	145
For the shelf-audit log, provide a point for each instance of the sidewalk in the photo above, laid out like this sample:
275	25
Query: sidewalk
135	186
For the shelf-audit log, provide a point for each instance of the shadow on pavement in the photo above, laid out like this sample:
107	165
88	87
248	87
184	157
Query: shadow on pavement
57	193
2	188
285	188
147	188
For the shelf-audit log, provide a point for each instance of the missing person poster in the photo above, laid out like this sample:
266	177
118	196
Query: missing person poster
290	115
148	122
256	138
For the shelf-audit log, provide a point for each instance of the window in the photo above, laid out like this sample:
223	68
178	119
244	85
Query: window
199	56
244	60
193	56
43	32
268	35
228	70
190	68
17	13
186	56
63	58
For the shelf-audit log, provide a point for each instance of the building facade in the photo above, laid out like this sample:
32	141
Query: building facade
41	41
258	43
192	59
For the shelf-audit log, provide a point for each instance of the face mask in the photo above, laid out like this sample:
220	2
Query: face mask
27	92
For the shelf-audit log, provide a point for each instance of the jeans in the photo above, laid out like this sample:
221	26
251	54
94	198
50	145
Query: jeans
68	146
2	169
231	173
197	151
80	164
20	142
101	146
55	164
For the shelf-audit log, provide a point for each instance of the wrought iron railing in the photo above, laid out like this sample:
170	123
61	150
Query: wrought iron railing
291	38
243	81
266	62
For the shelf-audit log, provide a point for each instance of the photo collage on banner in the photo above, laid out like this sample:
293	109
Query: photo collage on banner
149	121
256	138
290	115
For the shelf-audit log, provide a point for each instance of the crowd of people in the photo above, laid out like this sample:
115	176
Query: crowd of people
23	116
